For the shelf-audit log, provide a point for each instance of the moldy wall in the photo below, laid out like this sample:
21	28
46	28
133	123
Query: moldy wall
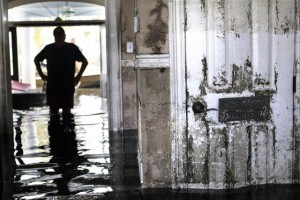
146	86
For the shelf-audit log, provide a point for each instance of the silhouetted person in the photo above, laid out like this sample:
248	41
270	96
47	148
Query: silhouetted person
61	80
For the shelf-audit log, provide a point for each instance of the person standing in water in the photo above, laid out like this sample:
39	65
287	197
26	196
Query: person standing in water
60	78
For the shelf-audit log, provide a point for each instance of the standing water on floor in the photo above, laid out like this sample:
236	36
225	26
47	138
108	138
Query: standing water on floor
57	157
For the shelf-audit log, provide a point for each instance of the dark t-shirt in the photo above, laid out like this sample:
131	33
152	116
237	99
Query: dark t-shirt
61	66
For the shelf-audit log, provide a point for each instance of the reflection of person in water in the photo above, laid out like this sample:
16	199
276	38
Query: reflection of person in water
63	148
61	57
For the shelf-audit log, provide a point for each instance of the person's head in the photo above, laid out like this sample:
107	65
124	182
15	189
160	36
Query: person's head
59	35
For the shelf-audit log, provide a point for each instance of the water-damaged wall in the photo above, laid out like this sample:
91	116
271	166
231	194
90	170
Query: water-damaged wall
153	22
239	49
128	70
146	86
233	49
296	174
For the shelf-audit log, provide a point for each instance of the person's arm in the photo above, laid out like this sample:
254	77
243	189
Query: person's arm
84	64
37	63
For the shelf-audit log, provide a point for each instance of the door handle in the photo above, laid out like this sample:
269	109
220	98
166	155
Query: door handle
199	107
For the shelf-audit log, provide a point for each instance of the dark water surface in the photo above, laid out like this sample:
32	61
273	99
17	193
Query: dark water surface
63	156
60	159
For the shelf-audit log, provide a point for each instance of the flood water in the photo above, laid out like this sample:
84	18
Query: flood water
59	157
78	158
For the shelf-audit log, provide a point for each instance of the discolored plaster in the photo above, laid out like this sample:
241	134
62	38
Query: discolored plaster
155	137
153	34
129	98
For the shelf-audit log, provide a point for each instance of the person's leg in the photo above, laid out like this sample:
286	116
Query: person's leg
68	103
54	114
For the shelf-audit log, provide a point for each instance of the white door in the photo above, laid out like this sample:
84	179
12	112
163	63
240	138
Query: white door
239	77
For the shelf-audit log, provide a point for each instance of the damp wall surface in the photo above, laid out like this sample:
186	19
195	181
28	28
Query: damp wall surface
146	86
232	49
239	49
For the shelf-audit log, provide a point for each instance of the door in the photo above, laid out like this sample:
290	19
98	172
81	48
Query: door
239	76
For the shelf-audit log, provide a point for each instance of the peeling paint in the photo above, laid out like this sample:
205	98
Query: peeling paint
217	157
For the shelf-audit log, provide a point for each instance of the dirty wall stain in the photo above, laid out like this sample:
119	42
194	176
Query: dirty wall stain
156	36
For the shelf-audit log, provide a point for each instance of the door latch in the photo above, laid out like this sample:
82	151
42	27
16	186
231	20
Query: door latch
199	107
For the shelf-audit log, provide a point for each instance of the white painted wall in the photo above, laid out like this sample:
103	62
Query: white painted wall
233	49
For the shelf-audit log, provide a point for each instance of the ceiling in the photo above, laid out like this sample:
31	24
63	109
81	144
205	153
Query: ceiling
51	10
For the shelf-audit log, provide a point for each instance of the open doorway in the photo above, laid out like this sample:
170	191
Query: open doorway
81	157
31	26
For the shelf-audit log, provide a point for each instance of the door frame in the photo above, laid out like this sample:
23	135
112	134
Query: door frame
114	82
178	83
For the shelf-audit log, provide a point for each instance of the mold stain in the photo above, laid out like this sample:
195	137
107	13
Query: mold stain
277	15
249	15
205	172
235	75
296	167
221	80
241	79
203	5
249	158
274	147
157	34
229	162
261	81
204	69
204	83
221	8
233	29
286	25
189	169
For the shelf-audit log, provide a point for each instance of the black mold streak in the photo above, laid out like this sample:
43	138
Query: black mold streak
249	14
204	83
205	172
205	69
235	75
203	4
189	155
274	146
157	34
249	158
229	172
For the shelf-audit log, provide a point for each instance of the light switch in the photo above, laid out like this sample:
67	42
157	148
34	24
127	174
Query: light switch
129	47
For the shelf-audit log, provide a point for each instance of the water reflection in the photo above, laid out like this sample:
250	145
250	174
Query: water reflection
64	152
59	156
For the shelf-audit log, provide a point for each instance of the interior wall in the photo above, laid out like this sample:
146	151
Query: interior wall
146	86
